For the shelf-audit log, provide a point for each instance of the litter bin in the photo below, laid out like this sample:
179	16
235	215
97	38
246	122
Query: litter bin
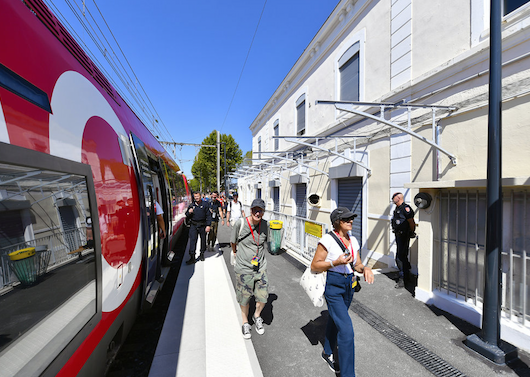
43	256
24	264
276	235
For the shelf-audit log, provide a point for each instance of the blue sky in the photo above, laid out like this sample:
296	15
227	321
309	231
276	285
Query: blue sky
188	57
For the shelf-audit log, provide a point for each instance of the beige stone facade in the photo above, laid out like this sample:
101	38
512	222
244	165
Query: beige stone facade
435	54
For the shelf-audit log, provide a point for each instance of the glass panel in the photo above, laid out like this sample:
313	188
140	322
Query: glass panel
300	118
47	277
511	5
276	133
349	80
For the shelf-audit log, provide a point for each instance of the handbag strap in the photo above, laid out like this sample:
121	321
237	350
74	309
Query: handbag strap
342	246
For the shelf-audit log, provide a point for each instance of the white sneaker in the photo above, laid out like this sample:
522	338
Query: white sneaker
246	330
258	321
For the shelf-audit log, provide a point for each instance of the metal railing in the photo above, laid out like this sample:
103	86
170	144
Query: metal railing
60	244
460	247
295	236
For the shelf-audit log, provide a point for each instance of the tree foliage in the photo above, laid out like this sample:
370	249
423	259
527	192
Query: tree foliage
248	157
204	168
194	184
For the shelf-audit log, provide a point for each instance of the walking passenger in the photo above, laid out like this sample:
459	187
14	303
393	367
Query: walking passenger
216	209
249	242
330	257
403	226
198	213
234	210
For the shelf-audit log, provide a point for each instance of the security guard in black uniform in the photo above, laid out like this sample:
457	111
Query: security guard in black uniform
200	217
404	227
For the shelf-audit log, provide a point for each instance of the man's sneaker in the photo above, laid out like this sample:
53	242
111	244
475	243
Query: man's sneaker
201	257
258	321
246	330
192	260
330	361
400	283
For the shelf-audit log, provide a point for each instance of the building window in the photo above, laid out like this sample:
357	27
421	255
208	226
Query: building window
460	247
300	115
511	5
276	133
259	147
349	74
276	198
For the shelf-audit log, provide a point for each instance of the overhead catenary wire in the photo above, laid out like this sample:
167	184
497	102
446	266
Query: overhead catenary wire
137	80
244	64
144	107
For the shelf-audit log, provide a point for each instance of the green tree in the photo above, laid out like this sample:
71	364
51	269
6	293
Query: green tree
204	167
194	184
248	157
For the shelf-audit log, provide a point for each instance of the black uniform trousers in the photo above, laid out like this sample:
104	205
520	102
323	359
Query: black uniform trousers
195	231
402	255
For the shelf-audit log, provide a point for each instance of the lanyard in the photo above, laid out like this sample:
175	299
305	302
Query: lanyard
252	232
341	240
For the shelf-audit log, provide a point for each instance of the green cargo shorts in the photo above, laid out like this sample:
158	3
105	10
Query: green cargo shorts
256	284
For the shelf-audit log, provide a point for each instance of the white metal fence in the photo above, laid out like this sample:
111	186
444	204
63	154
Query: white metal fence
295	236
60	244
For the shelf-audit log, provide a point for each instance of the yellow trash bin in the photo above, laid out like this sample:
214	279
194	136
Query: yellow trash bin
24	265
276	235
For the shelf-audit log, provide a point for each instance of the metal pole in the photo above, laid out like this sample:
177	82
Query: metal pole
218	163
224	150
492	293
490	344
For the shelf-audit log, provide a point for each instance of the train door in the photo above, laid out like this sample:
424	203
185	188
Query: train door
147	184
164	198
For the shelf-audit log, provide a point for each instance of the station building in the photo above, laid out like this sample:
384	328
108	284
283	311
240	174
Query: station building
417	74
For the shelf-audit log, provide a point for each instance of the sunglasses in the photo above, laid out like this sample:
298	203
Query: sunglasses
257	210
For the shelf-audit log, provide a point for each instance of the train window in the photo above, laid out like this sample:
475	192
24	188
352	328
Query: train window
48	267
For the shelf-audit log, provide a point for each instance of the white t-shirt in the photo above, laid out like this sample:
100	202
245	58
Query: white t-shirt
158	209
335	251
235	210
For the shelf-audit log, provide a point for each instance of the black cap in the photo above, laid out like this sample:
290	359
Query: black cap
342	213
258	203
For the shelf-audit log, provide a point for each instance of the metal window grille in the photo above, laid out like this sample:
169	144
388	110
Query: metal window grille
459	247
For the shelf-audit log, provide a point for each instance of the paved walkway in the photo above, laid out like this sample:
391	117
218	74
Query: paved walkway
395	335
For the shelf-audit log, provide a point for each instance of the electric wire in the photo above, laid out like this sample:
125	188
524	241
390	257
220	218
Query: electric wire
244	64
110	60
139	83
80	40
114	62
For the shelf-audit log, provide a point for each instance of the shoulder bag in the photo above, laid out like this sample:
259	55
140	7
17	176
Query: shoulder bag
314	285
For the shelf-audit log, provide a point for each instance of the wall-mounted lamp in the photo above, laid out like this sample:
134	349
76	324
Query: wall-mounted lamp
423	200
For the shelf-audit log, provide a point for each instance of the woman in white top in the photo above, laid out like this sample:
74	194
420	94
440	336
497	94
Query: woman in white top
330	257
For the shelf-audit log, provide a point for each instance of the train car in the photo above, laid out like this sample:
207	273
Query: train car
81	252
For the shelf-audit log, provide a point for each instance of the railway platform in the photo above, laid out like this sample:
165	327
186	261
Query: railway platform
395	335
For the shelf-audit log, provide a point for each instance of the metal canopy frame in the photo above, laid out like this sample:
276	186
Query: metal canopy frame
292	139
402	104
300	163
265	162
